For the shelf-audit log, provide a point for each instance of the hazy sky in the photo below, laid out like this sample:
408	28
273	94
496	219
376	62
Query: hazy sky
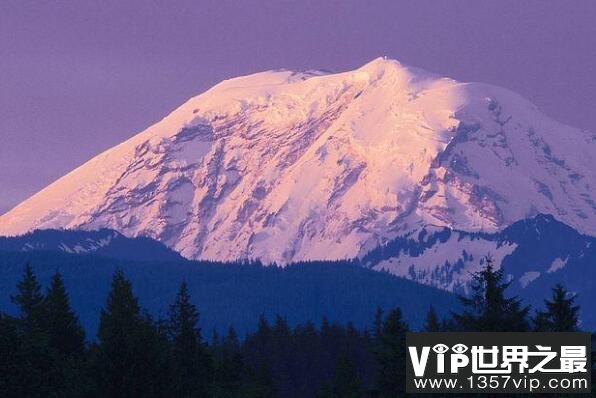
78	77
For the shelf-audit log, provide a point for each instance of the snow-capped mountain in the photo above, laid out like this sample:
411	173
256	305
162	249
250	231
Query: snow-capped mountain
286	166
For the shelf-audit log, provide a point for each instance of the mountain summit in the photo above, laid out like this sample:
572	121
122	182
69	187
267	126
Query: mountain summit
288	166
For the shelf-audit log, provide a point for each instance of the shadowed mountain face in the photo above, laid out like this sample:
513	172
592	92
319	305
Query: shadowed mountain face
286	166
535	253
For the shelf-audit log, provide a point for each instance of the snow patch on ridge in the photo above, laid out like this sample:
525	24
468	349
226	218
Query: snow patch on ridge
448	265
556	265
528	277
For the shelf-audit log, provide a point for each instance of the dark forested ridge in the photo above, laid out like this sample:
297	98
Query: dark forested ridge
232	294
546	252
103	242
45	352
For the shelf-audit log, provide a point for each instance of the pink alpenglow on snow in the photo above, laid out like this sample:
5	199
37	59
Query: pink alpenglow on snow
286	166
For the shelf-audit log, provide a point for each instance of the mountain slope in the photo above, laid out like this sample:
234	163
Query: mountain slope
286	166
535	254
528	250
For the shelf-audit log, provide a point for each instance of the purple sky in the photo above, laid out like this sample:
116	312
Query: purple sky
78	77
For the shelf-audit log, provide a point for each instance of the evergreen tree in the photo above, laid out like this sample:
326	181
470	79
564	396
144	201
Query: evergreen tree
129	358
561	313
30	301
65	333
189	360
229	367
281	355
263	329
391	356
346	382
378	323
14	374
41	376
259	344
540	322
332	337
66	340
432	323
281	330
488	309
261	383
307	360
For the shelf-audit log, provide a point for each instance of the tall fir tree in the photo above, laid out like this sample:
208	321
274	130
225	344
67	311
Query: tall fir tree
488	309
307	359
391	356
42	375
14	372
130	355
346	382
30	301
432	323
66	335
261	383
189	360
259	344
540	322
229	374
66	340
561	313
378	323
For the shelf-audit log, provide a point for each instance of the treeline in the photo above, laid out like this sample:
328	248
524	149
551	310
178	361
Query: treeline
44	352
